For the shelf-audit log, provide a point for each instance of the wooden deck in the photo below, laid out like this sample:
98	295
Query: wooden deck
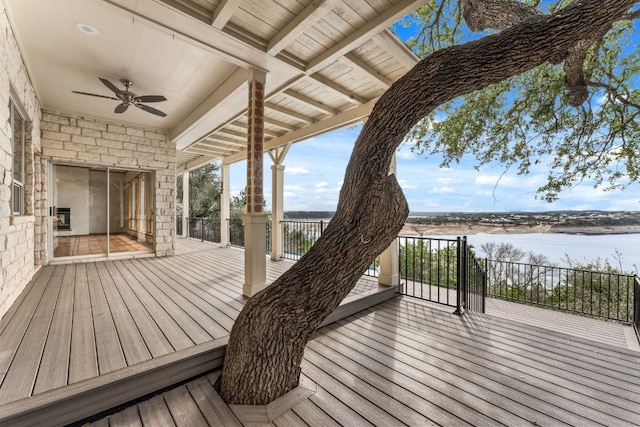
136	325
408	362
84	338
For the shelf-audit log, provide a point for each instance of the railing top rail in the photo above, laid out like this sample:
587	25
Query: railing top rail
441	239
577	270
305	222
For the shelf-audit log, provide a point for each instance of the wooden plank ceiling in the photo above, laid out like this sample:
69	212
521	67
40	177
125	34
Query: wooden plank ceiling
341	52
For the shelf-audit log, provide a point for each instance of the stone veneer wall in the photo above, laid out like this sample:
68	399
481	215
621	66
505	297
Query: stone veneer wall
16	232
86	141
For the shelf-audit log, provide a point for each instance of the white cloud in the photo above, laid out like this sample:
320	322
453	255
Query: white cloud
322	184
449	181
295	170
404	151
441	190
404	184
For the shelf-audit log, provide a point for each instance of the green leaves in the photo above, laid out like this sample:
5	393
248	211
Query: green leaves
526	121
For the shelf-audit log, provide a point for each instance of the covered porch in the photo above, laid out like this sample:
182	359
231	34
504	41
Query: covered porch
88	337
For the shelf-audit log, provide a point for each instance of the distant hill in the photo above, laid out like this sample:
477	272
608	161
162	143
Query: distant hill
308	215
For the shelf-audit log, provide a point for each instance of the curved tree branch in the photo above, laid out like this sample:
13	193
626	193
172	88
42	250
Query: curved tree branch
503	14
267	341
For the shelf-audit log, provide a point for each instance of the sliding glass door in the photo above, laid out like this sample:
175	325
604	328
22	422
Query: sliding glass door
99	211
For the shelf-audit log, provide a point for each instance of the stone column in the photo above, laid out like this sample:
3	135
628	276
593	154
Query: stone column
185	204
255	221
224	206
389	259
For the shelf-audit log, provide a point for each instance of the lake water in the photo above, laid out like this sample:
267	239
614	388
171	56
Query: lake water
579	247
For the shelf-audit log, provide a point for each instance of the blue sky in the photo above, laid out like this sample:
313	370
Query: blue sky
314	170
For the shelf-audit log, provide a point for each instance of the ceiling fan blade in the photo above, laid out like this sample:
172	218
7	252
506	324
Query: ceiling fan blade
94	94
150	98
151	110
110	85
121	108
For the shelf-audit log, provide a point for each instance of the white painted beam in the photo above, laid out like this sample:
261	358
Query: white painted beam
233	85
390	43
214	138
329	124
364	33
310	15
311	102
378	78
197	163
346	94
288	112
224	12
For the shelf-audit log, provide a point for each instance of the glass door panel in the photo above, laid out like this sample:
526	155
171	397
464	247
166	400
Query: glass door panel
79	203
100	211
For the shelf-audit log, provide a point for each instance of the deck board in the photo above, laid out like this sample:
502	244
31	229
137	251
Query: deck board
20	319
184	410
153	302
19	379
407	362
107	345
154	412
133	345
54	367
83	361
153	337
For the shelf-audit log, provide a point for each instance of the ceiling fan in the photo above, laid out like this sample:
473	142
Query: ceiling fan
128	98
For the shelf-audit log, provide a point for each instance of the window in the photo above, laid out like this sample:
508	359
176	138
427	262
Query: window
17	172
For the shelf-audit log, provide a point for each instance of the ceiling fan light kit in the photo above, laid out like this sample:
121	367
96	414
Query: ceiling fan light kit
127	98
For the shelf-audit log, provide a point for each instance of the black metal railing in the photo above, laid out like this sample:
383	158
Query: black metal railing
299	236
236	232
204	228
179	226
442	270
600	294
636	306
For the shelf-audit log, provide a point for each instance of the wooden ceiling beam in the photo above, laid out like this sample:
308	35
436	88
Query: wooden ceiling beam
224	12
371	72
279	124
346	94
345	118
311	102
215	137
363	34
310	15
390	43
289	112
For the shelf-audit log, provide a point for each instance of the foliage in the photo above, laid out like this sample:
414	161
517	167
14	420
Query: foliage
427	261
594	288
204	191
525	122
298	240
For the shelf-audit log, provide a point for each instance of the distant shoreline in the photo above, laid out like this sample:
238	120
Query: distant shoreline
471	229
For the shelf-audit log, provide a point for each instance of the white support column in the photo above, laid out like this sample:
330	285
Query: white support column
224	206
255	221
277	200
389	259
185	204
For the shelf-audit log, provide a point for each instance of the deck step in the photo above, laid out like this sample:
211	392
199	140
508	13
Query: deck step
93	396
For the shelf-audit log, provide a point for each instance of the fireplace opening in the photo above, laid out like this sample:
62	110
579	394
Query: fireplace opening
62	219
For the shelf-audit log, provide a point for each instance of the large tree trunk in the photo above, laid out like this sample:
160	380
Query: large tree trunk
267	342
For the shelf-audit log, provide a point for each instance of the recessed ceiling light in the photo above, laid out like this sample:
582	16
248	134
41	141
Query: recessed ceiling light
87	29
